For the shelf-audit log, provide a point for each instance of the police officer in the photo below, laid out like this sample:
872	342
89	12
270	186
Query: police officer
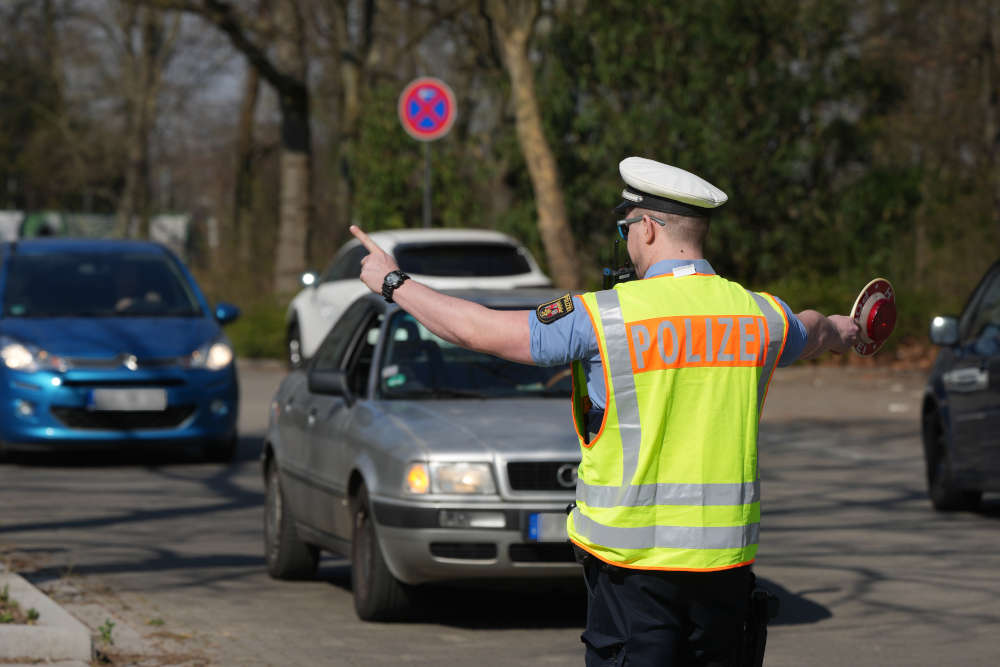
670	375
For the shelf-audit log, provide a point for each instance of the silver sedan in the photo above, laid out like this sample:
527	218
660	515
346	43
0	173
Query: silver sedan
419	460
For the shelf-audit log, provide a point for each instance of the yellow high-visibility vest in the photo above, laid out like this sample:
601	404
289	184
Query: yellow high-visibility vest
670	480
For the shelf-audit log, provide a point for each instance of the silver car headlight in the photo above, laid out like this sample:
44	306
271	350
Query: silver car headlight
214	356
451	478
20	356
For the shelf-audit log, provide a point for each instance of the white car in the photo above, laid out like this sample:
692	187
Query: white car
440	258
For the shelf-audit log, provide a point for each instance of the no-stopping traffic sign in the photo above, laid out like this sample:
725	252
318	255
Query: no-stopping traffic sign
427	108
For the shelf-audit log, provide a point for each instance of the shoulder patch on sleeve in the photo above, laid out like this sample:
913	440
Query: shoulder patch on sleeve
550	312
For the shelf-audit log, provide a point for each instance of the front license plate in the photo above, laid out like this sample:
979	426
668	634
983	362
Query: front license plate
547	527
129	400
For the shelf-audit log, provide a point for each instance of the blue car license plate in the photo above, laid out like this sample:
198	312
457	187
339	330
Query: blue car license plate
129	400
547	527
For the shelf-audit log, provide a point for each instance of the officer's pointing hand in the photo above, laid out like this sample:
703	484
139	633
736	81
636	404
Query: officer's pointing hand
376	264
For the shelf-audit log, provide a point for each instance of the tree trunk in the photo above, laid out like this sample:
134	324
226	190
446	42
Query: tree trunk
143	74
991	102
296	151
243	192
513	21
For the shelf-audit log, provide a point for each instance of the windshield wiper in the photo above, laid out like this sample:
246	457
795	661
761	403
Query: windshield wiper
437	393
445	392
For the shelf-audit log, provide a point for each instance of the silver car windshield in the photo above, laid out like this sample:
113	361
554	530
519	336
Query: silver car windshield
94	284
419	365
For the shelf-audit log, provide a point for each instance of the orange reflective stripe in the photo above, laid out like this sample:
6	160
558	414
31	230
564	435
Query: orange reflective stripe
697	341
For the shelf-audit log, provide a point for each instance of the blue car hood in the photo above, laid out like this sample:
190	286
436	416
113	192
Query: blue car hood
145	337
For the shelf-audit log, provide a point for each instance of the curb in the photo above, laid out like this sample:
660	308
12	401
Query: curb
57	636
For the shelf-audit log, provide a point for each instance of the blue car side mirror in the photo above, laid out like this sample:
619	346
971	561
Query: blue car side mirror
226	312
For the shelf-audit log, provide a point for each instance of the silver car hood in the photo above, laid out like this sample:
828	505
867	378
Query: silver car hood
532	428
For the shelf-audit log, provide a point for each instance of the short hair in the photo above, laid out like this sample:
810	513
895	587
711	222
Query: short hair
679	228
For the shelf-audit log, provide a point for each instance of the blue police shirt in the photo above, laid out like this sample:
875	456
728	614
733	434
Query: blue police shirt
572	336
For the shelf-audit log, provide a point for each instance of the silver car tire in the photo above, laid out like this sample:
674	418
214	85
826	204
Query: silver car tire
287	556
378	595
940	485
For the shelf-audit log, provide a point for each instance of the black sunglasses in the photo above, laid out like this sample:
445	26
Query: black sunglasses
623	224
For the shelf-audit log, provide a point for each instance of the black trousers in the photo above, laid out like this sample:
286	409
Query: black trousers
650	618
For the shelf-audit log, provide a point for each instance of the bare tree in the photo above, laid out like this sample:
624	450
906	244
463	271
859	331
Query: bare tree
513	23
275	44
147	40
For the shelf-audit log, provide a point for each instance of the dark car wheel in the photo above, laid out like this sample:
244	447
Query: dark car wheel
294	347
287	556
940	486
378	595
222	451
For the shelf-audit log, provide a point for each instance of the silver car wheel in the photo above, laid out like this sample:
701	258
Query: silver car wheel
287	556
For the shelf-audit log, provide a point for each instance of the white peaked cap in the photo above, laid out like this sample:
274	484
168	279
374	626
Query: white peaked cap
661	187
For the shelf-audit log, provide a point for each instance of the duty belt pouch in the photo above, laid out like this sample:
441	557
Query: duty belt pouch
762	608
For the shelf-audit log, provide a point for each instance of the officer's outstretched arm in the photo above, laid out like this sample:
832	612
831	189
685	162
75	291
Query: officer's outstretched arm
836	333
503	333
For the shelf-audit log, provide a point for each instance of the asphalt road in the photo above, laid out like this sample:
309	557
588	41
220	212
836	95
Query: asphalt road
169	548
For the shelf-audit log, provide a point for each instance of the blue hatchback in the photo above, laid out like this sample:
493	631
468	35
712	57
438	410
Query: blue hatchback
111	342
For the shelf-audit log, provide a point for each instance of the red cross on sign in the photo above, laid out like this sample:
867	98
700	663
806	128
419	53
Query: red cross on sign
427	108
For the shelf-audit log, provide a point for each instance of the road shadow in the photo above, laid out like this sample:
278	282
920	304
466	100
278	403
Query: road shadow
125	454
794	608
534	604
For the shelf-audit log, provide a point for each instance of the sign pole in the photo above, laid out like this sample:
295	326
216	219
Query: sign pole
427	185
426	110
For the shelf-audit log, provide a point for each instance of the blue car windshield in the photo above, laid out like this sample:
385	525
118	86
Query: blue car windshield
84	284
418	364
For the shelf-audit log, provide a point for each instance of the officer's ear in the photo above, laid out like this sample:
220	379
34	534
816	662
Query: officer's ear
648	229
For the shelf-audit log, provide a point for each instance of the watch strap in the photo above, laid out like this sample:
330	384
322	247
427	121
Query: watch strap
388	289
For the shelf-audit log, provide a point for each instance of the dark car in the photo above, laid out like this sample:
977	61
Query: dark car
961	408
110	342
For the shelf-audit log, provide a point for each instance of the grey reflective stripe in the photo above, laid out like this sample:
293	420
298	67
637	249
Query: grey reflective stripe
666	537
645	495
622	382
775	339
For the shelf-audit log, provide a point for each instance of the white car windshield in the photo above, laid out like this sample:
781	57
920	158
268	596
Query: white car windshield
418	364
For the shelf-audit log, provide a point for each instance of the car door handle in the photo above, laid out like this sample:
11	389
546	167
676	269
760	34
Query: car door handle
967	379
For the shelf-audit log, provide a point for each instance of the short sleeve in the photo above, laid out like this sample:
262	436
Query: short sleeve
797	336
568	338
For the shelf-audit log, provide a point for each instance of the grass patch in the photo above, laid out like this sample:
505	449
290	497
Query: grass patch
12	613
259	333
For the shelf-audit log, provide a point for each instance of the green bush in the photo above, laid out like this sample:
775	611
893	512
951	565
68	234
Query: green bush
259	333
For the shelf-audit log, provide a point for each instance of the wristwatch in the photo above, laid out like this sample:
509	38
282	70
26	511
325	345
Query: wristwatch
392	281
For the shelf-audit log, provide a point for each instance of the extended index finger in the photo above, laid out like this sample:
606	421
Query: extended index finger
366	240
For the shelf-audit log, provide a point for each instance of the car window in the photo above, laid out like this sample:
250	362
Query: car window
96	284
461	259
982	322
331	352
361	357
418	364
346	266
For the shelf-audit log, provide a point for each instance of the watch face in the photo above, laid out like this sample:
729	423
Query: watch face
393	279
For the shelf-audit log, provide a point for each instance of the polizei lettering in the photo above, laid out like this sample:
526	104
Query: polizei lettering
691	341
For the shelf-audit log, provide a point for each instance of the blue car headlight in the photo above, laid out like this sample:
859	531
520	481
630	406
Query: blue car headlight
214	355
20	356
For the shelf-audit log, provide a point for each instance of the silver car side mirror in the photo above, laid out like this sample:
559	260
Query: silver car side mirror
944	330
